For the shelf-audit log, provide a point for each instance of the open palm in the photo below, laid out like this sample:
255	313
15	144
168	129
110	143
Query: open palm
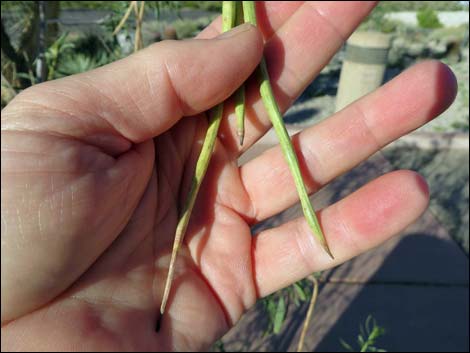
95	166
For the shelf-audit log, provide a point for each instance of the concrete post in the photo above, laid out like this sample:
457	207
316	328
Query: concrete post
363	67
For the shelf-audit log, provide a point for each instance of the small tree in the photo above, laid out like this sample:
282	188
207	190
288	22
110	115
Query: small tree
427	18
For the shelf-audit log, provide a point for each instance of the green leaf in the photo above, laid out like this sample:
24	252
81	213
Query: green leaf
300	292
296	301
23	75
370	321
346	345
360	341
280	315
362	332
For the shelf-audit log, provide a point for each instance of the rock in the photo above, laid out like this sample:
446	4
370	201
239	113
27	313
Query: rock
126	42
416	49
437	48
170	33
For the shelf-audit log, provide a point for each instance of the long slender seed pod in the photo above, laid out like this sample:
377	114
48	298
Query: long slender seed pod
228	15
275	116
240	113
240	92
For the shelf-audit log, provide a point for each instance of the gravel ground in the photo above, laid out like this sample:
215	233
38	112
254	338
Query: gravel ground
318	100
447	173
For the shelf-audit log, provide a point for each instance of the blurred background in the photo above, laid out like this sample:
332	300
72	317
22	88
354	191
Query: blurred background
410	294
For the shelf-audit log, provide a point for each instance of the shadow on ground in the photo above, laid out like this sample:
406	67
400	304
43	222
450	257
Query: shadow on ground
419	313
415	285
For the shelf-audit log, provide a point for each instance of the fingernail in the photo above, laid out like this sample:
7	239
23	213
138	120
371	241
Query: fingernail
235	31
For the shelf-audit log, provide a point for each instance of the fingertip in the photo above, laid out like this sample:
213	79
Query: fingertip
415	191
448	81
386	205
445	80
421	184
411	189
441	83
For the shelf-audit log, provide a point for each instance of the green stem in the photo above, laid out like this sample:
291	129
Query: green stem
240	113
275	116
228	15
240	93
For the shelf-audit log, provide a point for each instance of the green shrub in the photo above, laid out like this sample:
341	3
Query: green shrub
427	18
78	63
367	337
190	28
278	304
393	6
204	5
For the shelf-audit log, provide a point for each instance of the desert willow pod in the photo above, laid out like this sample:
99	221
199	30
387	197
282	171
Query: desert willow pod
228	22
275	116
240	92
229	10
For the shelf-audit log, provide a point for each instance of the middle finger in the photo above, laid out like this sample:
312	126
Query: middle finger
337	144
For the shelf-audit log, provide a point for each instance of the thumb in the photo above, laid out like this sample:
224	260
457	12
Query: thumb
143	95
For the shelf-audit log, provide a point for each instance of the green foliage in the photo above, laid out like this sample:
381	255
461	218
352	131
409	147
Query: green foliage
90	5
68	56
15	5
277	304
392	6
215	6
115	5
190	28
271	305
276	307
301	293
427	18
376	21
19	22
56	53
367	338
18	11
89	52
186	29
461	126
78	63
159	6
278	315
90	44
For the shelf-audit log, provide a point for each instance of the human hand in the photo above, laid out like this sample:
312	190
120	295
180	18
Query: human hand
94	167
